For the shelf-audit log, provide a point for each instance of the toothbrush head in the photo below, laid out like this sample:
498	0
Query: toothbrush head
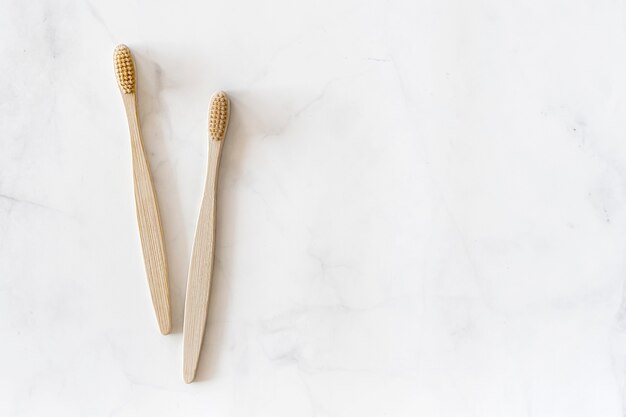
219	113
125	69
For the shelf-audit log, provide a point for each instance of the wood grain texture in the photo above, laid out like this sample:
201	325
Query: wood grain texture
150	231
201	268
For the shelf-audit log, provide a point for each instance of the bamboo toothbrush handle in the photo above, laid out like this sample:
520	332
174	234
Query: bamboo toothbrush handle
149	222
201	268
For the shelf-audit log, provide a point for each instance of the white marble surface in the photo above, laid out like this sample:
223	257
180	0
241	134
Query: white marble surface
422	208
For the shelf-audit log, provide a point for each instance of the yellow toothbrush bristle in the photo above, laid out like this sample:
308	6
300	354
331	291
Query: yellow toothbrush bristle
219	112
124	69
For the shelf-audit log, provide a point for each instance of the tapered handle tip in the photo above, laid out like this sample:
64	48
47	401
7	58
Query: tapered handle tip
165	327
189	372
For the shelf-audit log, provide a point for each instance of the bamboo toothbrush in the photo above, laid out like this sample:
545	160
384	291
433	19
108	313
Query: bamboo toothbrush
201	267
145	199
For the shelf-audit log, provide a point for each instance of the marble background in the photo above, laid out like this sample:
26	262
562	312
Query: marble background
422	208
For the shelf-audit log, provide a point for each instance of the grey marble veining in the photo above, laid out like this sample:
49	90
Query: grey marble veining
422	208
